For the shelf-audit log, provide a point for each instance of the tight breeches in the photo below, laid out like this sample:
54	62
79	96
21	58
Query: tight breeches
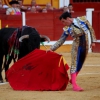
78	53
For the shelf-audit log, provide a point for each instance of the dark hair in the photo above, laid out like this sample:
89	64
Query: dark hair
65	15
70	5
13	2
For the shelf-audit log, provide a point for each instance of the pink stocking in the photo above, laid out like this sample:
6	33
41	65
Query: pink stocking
75	86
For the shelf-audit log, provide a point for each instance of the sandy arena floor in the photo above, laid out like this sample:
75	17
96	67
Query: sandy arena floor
88	79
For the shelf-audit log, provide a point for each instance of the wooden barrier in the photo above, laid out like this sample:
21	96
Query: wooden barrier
96	23
96	49
48	23
2	11
11	20
42	22
82	5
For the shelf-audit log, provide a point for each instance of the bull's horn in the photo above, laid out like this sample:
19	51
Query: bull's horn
47	38
23	37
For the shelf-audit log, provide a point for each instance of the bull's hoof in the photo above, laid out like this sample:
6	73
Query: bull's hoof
1	81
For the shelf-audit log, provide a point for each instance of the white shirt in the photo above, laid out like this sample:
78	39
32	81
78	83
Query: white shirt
76	23
14	10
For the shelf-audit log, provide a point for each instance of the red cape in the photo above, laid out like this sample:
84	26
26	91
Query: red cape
39	71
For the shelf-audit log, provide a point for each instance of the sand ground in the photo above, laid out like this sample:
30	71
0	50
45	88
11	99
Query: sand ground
88	79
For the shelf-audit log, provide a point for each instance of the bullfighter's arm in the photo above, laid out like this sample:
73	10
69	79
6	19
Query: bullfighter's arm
59	42
92	32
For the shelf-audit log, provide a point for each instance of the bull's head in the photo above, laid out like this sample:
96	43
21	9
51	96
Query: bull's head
28	43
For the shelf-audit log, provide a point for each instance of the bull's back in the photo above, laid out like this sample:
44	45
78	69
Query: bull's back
5	34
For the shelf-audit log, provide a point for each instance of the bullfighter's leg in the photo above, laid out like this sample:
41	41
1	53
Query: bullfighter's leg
79	52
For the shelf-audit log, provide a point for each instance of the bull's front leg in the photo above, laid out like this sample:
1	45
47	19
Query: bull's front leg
6	65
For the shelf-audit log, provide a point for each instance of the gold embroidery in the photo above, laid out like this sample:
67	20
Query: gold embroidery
92	33
74	54
83	18
76	32
65	28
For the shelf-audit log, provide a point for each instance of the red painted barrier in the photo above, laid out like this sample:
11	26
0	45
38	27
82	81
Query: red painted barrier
42	22
81	5
11	20
96	23
48	23
96	49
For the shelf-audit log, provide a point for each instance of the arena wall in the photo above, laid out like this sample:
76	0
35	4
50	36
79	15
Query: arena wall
49	24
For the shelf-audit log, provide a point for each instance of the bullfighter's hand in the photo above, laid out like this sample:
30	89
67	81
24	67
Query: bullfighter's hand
48	50
92	45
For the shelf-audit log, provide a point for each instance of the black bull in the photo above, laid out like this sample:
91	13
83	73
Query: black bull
30	40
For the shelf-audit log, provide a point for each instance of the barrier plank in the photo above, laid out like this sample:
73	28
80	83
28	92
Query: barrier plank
48	23
11	20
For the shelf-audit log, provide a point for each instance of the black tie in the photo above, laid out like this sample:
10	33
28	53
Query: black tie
75	26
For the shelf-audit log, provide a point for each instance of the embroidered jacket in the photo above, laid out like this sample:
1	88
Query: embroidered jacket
83	27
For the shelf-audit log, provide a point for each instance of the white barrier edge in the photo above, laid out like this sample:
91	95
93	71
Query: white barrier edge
53	42
89	18
65	43
23	19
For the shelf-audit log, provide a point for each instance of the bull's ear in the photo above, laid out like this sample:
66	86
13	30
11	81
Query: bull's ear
44	38
23	37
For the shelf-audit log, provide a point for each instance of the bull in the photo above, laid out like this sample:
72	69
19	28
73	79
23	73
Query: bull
15	43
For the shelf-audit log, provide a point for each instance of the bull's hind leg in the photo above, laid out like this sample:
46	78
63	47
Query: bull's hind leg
1	79
1	62
6	66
